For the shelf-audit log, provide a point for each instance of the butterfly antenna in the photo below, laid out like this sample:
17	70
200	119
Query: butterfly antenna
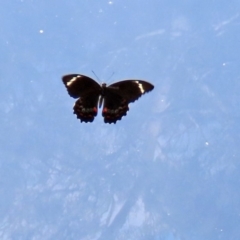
96	76
111	76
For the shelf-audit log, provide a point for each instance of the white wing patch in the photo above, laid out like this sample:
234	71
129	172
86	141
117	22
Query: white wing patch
140	86
73	80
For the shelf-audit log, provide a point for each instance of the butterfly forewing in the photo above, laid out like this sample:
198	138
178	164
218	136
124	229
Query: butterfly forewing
131	90
88	92
78	85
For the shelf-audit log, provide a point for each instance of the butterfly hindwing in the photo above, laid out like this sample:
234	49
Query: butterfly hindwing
86	107
88	92
115	106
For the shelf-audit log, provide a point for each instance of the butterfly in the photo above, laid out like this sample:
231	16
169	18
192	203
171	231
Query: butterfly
115	97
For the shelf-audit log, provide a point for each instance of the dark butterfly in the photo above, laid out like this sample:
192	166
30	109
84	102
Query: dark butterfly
116	96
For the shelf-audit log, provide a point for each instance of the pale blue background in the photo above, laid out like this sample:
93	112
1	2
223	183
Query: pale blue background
170	170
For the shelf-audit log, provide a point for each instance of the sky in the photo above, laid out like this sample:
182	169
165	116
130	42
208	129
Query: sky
169	170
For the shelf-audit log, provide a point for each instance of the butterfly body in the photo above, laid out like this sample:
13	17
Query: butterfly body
91	95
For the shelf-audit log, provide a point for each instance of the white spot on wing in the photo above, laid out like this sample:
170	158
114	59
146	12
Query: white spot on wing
140	86
72	80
